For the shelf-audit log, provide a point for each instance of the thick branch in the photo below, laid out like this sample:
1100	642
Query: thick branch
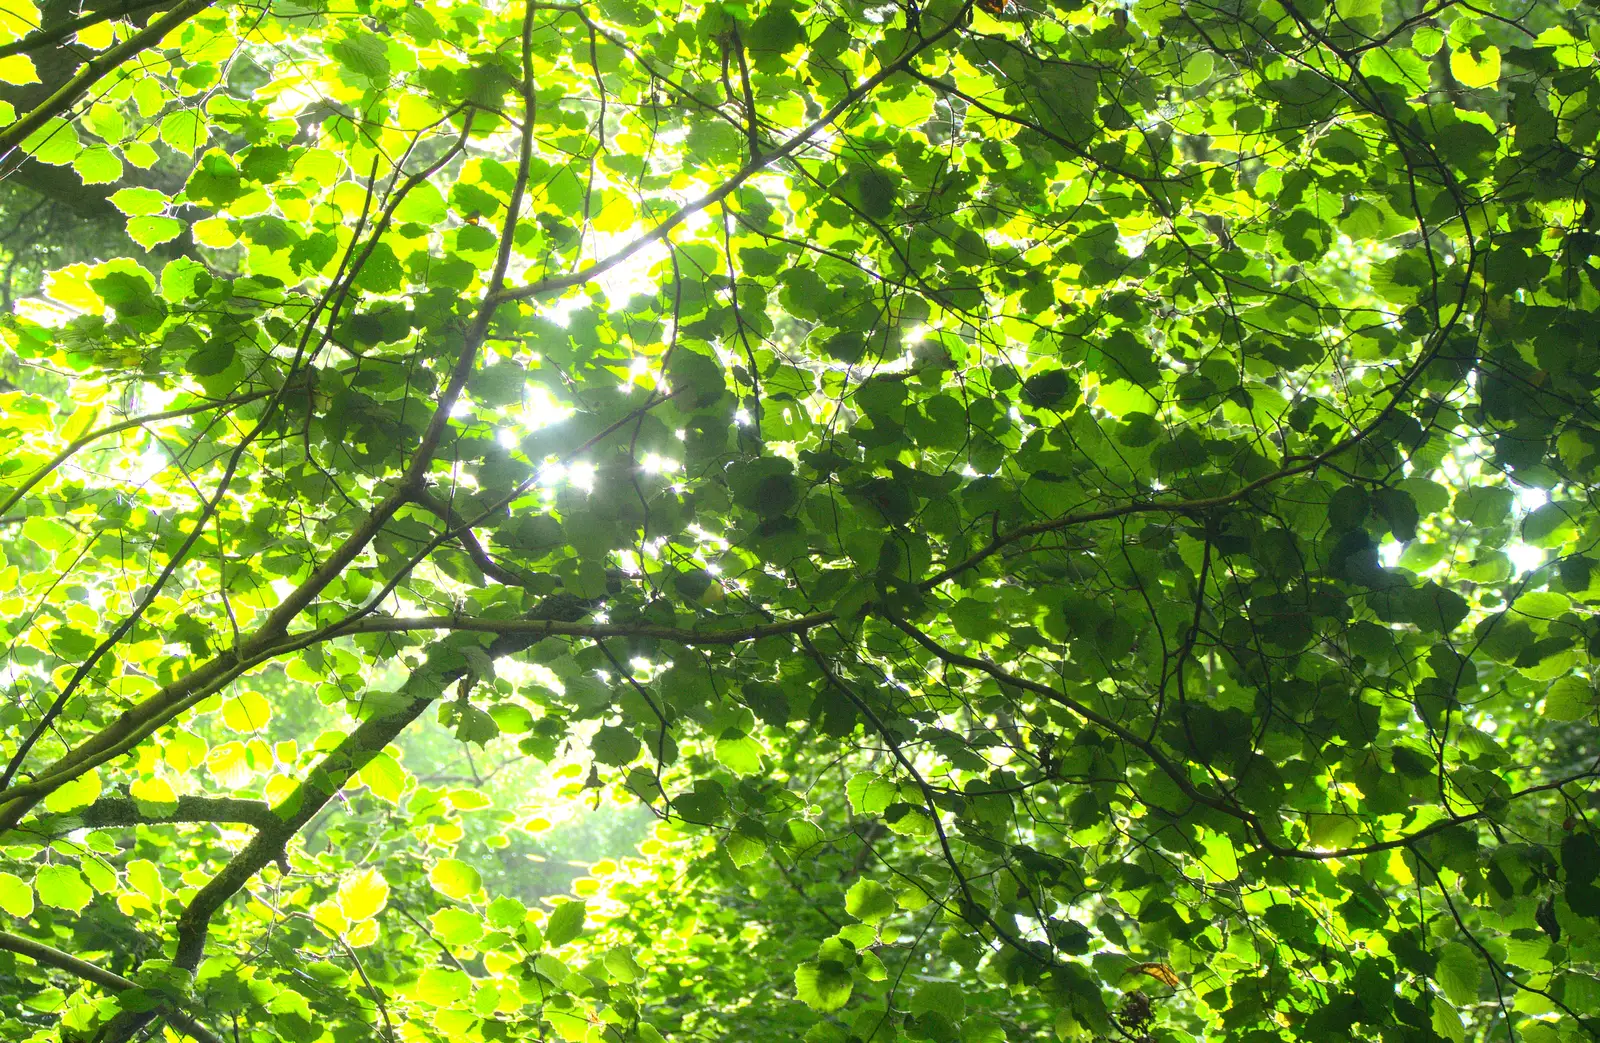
540	628
50	35
92	71
124	811
50	956
320	785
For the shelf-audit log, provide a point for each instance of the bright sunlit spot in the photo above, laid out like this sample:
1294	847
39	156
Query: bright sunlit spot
1523	557
541	409
1530	497
654	463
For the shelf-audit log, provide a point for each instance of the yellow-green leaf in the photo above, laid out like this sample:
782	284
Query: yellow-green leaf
363	895
456	879
152	231
16	896
136	202
79	792
63	887
1476	70
246	712
18	68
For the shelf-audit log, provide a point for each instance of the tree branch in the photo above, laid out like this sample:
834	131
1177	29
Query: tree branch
464	535
92	71
753	167
117	428
331	774
124	811
50	956
50	35
540	628
1180	777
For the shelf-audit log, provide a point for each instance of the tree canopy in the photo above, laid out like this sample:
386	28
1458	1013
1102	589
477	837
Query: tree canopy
1008	519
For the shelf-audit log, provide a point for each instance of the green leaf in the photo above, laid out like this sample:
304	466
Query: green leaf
870	188
1483	506
442	987
696	377
939	997
745	850
76	793
384	776
469	723
184	130
868	901
182	278
1458	973
1196	69
574	1028
152	231
1474	70
16	896
870	794
137	202
739	753
55	143
425	204
18	68
246	712
776	31
98	166
1221	857
823	985
565	923
506	911
1549	526
63	887
363	895
1569	699
456	926
1446	1021
615	745
1580	860
621	965
145	878
46	533
153	795
455	879
364	54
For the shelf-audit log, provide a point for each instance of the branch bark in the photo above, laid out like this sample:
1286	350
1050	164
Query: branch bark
50	956
50	35
321	784
94	70
124	811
